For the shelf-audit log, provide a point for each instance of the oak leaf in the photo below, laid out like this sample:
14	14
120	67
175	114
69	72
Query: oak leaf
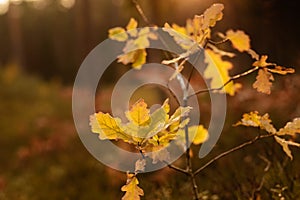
133	191
196	30
255	120
263	81
239	39
197	135
139	114
217	70
291	128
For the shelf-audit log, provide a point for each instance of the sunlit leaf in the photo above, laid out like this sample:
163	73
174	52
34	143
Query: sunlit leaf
118	34
263	81
137	58
217	70
180	35
133	191
212	15
239	39
196	30
131	27
139	113
255	120
281	70
291	128
107	127
285	146
262	62
197	134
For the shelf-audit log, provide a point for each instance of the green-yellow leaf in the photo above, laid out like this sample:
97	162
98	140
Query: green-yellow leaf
133	191
106	126
131	27
139	114
118	34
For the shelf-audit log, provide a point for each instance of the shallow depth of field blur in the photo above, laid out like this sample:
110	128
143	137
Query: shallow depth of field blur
42	44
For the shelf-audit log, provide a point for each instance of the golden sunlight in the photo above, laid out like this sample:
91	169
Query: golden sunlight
4	5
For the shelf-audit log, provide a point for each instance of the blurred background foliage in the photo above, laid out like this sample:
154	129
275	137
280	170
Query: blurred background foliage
42	44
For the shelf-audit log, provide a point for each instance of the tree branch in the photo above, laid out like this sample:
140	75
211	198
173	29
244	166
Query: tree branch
231	150
227	82
177	168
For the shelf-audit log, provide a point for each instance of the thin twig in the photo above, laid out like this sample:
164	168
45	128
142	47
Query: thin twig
262	181
231	150
141	12
172	94
218	42
226	83
177	168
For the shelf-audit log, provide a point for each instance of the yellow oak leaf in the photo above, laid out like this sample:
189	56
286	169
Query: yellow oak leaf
281	70
133	191
197	29
262	62
291	128
217	70
147	131
263	81
136	57
131	27
107	127
272	67
180	35
212	15
137	42
255	120
239	39
197	134
139	114
118	34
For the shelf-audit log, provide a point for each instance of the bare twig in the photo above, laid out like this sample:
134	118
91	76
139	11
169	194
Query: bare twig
141	12
227	82
262	181
177	168
232	150
218	42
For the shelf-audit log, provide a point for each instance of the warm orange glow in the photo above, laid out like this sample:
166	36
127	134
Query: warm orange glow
4	5
67	3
